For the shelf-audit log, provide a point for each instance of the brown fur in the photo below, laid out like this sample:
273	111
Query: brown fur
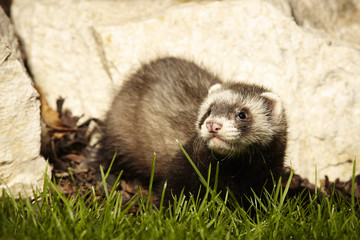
155	106
160	103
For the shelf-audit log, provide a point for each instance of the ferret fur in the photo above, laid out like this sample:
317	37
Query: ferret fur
242	126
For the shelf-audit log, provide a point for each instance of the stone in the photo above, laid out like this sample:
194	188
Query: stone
83	50
339	19
22	168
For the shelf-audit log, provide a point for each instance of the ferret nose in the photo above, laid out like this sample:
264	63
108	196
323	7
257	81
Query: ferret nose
213	127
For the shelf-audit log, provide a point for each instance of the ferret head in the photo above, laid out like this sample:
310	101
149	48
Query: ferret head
236	115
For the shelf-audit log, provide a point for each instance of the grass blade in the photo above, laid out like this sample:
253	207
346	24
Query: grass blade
151	181
202	179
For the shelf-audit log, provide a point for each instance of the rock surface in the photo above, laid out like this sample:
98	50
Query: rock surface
83	50
339	19
22	167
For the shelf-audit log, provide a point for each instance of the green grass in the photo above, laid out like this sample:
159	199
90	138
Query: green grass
52	215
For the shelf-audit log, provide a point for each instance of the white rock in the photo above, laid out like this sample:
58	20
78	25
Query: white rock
22	167
340	19
64	55
282	5
83	50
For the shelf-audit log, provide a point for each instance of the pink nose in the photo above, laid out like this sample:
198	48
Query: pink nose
213	127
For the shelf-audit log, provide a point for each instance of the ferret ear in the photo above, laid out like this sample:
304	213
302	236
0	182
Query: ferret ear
214	87
275	105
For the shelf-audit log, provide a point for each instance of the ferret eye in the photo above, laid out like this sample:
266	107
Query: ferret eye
209	112
241	115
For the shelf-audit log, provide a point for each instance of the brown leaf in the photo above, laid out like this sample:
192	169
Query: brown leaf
74	157
49	116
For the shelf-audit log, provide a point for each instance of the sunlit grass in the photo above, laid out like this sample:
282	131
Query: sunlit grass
52	215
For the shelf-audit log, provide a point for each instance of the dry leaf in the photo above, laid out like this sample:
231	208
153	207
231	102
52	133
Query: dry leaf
49	116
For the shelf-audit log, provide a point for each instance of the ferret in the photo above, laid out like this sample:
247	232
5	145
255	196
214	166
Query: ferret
168	100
